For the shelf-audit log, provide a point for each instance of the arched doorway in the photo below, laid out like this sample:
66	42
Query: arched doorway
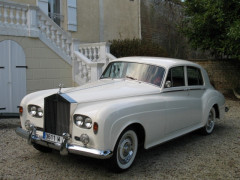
12	76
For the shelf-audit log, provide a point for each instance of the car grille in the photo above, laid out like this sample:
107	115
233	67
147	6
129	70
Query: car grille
56	115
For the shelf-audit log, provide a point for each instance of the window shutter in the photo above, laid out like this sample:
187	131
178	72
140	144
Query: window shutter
43	5
72	15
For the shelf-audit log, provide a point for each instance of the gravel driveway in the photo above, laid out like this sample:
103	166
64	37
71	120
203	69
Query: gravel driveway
192	156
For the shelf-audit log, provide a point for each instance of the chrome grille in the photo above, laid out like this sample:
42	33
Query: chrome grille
56	114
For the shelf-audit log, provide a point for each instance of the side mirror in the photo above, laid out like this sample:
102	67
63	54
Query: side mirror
168	84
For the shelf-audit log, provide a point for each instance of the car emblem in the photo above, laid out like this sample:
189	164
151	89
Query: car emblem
60	87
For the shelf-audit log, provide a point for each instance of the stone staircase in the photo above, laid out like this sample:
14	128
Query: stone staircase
87	60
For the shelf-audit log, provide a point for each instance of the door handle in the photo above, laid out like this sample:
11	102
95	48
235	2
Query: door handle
21	67
1	67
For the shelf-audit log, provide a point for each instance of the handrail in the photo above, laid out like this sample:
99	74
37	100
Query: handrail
84	70
10	3
47	18
84	58
27	20
87	59
110	56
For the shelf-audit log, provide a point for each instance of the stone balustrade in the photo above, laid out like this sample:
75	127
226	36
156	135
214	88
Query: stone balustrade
26	20
13	14
85	70
52	32
96	52
17	19
88	60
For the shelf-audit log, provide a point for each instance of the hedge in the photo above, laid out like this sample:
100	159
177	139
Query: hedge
136	47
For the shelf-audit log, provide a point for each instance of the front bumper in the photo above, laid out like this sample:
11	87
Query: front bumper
64	147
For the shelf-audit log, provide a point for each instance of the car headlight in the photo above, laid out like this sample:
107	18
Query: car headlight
35	111
83	121
79	121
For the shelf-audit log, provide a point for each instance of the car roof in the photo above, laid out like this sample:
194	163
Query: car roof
159	61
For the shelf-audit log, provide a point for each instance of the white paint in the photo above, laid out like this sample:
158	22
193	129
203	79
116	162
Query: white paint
4	77
12	79
116	103
37	24
89	61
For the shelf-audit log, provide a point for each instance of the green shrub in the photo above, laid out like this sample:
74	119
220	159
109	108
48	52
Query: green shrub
136	47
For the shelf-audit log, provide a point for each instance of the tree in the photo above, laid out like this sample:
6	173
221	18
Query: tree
213	25
159	24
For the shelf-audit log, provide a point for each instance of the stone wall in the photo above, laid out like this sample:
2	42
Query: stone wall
223	74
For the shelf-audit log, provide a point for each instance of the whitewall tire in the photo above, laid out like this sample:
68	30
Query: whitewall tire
125	151
210	124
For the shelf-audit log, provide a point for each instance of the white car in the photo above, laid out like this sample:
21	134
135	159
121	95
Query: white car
138	102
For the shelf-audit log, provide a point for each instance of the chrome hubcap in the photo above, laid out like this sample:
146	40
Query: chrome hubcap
126	150
210	122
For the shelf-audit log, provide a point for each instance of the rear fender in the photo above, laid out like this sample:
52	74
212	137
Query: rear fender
210	103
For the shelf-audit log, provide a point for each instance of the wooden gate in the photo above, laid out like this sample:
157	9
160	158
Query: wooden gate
12	76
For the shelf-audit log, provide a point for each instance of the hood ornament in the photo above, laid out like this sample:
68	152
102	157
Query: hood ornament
60	88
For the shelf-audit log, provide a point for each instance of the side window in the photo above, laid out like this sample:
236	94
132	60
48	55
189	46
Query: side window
176	76
194	76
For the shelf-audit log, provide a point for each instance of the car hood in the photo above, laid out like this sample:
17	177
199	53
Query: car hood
110	89
107	89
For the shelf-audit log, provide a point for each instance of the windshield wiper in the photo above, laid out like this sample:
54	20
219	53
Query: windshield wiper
105	78
129	77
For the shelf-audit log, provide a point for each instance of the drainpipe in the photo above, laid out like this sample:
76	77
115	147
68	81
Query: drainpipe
101	21
139	19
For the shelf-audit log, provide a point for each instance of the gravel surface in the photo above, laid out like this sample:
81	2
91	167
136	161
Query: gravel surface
192	156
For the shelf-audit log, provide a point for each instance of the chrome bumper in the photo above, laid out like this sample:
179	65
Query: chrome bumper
64	147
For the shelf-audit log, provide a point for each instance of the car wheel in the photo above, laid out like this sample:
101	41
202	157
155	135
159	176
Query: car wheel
42	148
125	151
208	128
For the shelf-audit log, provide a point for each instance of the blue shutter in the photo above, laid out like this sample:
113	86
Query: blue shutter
43	5
72	15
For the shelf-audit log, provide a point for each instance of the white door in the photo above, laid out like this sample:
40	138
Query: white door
12	76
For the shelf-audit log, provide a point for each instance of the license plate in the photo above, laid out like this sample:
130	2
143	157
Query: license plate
52	137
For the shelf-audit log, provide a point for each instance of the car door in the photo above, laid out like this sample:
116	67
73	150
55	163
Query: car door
196	90
178	104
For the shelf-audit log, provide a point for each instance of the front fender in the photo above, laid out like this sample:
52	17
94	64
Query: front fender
118	116
114	116
118	128
148	113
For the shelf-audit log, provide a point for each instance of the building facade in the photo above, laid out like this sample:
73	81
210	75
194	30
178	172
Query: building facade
47	42
93	20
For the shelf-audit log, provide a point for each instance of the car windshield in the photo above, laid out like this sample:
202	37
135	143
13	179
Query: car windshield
134	71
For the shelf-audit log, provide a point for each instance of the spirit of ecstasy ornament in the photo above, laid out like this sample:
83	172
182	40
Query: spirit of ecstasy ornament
60	87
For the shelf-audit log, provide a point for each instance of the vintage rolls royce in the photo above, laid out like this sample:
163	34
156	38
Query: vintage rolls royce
137	102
